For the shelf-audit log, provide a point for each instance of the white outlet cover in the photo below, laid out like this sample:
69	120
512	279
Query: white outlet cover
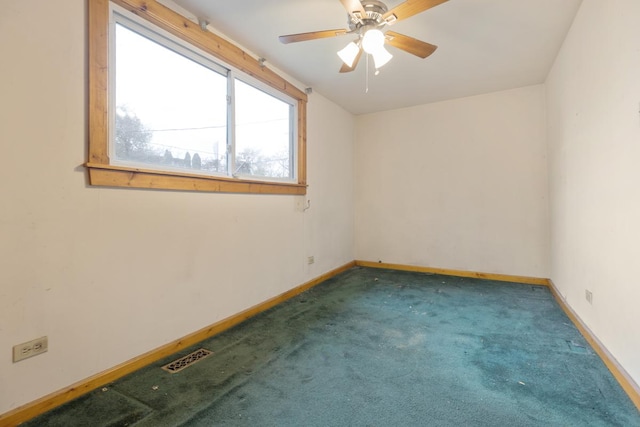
30	348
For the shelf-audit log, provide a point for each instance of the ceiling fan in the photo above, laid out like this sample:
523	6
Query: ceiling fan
367	18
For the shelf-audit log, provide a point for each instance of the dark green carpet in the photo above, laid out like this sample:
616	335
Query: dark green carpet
379	348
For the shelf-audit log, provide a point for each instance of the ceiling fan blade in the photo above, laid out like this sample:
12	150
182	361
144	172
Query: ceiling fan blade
354	7
301	37
409	44
346	69
409	8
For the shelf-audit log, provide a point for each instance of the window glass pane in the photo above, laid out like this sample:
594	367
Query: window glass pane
263	133
171	111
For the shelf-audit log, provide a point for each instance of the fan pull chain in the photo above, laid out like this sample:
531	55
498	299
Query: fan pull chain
366	79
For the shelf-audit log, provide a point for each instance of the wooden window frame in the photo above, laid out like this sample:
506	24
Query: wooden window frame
103	173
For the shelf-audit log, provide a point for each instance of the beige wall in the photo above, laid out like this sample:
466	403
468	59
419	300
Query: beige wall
108	274
593	102
459	184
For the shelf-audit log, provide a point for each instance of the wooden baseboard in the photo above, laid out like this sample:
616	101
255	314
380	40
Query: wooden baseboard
55	399
625	381
459	273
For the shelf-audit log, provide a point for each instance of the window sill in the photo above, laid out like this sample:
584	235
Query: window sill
120	176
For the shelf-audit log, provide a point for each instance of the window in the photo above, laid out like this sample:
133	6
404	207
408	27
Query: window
263	129
176	107
170	110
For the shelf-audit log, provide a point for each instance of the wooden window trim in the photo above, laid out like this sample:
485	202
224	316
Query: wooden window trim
102	173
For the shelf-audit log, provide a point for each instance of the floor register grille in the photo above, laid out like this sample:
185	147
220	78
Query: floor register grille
186	361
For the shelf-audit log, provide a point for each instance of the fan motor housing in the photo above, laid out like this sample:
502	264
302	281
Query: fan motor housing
374	9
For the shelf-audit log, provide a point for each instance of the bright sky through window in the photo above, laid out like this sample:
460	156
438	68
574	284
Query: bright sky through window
172	111
262	127
180	104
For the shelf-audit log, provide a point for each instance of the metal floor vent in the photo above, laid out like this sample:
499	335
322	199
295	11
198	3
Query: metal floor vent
186	361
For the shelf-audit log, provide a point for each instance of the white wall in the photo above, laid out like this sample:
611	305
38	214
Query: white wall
108	274
460	184
593	102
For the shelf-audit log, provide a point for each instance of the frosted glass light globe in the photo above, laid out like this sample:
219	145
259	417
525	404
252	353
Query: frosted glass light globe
372	41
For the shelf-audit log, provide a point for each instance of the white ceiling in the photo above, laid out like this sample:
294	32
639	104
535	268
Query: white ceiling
483	46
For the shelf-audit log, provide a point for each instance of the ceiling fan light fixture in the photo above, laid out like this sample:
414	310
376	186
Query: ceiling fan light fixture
373	44
381	57
372	41
349	53
366	20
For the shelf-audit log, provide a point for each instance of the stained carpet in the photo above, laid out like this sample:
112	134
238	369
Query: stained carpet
375	347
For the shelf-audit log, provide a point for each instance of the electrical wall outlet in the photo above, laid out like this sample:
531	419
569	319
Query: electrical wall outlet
311	260
30	348
589	296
